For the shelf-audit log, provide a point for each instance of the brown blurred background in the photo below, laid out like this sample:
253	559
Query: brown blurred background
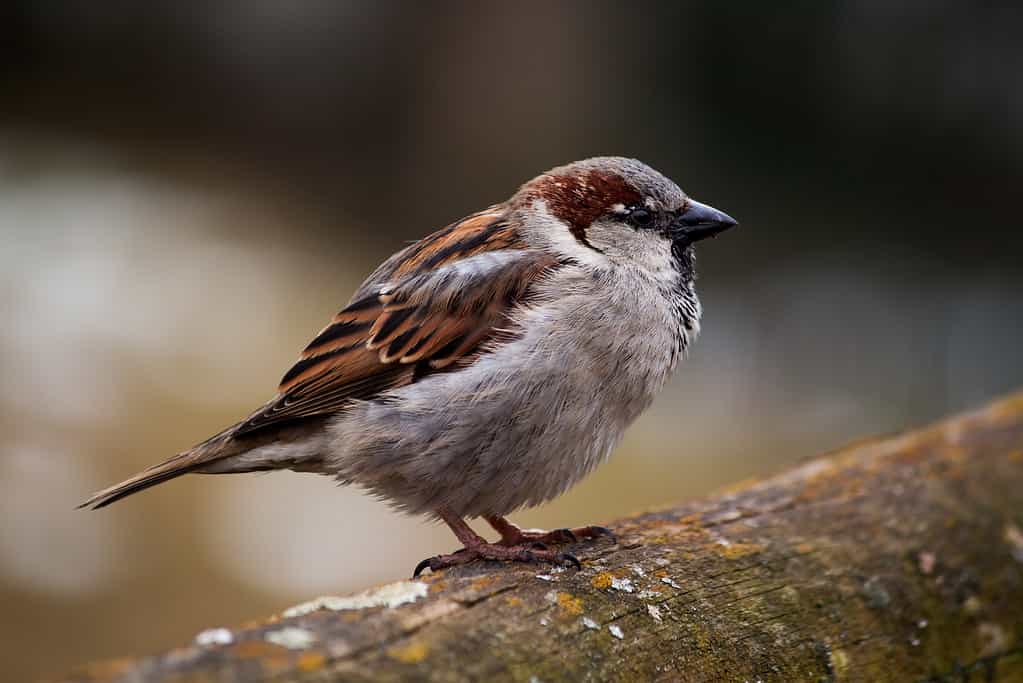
187	195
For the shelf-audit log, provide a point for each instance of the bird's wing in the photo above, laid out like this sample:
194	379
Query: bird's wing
427	307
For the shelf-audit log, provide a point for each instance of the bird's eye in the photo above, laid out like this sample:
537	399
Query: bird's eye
640	217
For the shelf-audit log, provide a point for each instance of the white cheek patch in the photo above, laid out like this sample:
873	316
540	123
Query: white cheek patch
545	228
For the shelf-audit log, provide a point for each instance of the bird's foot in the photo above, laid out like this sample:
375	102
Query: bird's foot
527	552
512	535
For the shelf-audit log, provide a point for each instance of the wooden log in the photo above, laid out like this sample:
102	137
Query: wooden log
898	559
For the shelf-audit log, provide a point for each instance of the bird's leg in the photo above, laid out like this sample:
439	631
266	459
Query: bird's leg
512	535
477	548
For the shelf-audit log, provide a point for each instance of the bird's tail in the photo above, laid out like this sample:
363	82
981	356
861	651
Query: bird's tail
214	448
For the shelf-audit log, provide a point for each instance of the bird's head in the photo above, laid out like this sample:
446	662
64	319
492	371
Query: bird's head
614	211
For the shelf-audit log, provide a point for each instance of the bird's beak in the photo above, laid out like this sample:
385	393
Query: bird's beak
700	221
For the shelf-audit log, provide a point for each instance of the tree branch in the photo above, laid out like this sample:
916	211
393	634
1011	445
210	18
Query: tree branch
898	559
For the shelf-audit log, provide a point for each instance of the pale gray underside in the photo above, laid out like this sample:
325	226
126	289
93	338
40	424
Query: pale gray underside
528	420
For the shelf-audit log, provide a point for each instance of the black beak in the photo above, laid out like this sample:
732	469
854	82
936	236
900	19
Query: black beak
700	221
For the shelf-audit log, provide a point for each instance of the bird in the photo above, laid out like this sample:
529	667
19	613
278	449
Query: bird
491	365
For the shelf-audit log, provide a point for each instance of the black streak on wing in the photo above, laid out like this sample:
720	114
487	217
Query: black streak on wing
306	363
443	352
399	342
362	304
392	322
417	347
338	331
466	246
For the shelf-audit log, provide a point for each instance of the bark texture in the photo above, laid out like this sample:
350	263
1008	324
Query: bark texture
898	559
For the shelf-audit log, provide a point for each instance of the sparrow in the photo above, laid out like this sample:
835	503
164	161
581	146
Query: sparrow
491	365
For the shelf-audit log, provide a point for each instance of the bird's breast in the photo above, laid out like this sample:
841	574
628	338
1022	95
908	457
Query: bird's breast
528	418
616	339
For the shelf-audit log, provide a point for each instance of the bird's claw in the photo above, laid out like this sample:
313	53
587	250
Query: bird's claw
566	558
596	531
494	551
566	534
423	565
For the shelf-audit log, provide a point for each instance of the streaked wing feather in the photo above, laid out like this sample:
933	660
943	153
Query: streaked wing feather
433	303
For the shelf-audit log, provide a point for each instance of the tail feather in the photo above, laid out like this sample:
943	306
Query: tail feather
191	460
141	481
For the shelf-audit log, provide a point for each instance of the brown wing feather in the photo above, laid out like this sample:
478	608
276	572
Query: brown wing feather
403	323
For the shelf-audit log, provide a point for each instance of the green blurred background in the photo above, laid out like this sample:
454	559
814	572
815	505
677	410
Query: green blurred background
188	193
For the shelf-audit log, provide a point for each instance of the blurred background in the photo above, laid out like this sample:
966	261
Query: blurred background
188	194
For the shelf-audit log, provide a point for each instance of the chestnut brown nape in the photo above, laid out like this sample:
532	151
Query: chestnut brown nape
581	198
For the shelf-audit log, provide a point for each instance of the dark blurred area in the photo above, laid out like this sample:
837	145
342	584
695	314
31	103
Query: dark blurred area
187	193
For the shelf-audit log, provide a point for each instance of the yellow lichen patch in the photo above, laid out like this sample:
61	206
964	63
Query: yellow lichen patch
734	551
840	662
805	548
484	582
513	601
569	604
413	653
1016	456
972	605
691	520
272	658
602	581
701	638
311	661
